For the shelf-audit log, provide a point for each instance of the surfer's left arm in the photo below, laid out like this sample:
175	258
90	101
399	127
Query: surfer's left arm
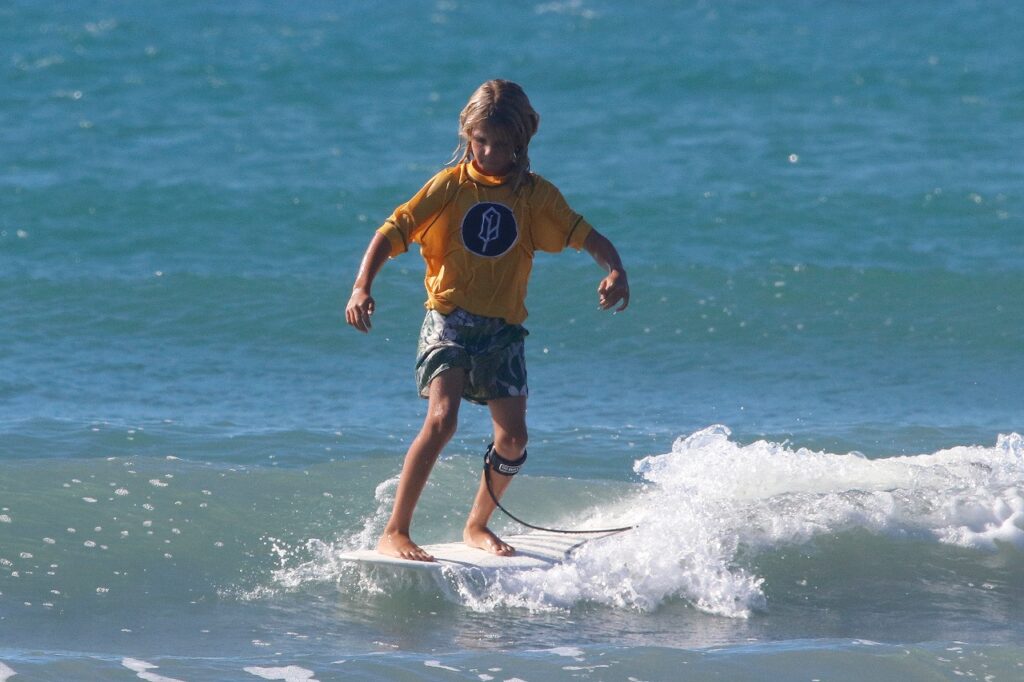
614	288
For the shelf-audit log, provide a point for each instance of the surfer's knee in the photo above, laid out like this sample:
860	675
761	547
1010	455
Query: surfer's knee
441	423
511	444
501	464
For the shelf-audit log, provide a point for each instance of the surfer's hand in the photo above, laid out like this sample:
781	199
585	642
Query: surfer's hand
359	309
614	289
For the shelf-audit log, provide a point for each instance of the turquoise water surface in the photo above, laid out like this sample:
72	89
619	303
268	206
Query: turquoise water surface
812	408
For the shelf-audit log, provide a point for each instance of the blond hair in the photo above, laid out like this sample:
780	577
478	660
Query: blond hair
505	108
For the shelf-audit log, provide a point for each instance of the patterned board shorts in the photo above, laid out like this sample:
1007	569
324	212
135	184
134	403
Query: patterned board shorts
491	351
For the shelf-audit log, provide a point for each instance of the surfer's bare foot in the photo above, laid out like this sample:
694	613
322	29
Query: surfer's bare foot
481	537
401	545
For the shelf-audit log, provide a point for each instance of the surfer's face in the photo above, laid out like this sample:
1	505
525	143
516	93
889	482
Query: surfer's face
493	156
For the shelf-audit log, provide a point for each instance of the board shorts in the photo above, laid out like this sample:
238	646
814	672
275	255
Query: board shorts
491	350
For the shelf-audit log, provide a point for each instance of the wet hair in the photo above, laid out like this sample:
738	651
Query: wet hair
505	108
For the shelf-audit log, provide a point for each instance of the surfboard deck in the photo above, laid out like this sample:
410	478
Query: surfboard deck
533	550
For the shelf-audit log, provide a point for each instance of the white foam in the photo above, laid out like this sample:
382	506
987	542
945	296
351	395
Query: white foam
710	502
291	673
566	651
988	523
324	565
142	669
969	495
709	498
6	673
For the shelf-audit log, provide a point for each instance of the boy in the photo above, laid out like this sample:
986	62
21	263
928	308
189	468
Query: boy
478	224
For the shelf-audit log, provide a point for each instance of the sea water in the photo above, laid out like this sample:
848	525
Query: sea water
811	410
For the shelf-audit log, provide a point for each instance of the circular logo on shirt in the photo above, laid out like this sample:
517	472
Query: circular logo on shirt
489	229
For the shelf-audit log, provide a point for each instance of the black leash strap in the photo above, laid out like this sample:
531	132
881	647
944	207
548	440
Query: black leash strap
609	531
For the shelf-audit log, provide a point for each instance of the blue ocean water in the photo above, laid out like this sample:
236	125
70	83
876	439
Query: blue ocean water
812	408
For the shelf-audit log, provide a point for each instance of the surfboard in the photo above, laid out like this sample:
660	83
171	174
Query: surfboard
533	550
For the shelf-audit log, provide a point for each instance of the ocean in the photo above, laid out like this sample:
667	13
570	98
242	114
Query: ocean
812	409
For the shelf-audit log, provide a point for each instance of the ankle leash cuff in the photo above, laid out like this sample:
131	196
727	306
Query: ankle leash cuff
506	467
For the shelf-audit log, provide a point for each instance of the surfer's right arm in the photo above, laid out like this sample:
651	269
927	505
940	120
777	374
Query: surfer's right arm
403	227
361	304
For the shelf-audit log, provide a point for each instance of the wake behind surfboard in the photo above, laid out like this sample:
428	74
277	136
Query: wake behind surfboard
533	550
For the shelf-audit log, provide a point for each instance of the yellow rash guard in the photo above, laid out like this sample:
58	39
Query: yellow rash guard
478	238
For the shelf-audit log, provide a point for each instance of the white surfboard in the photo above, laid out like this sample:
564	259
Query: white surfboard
533	550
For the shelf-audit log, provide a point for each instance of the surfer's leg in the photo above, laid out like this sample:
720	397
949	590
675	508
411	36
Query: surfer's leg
510	435
439	426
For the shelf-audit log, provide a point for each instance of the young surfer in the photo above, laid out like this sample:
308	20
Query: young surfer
478	224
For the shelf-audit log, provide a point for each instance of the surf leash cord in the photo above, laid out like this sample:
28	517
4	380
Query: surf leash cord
494	498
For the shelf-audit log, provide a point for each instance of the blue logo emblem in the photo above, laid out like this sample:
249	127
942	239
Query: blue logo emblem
489	229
